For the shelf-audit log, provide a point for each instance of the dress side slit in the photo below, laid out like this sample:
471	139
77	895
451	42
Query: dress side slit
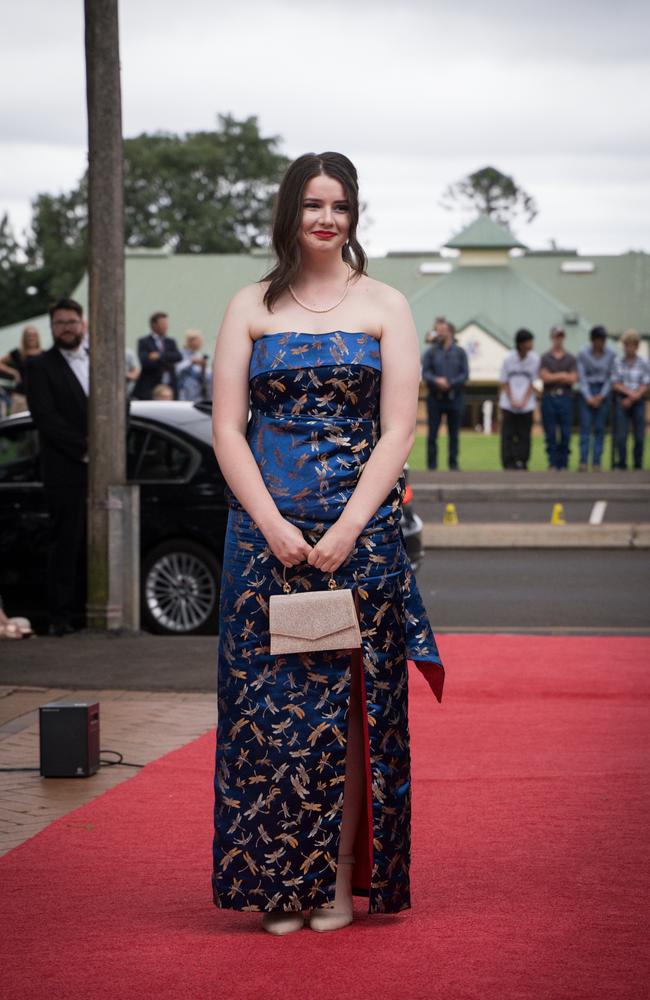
363	851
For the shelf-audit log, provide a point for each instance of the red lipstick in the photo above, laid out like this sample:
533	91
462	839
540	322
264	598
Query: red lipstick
323	234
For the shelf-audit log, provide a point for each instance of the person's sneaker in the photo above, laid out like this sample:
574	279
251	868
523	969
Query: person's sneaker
595	468
583	467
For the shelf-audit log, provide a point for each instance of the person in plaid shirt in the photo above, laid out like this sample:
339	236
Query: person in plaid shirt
630	378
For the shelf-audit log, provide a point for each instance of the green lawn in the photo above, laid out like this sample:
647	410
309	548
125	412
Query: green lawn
480	453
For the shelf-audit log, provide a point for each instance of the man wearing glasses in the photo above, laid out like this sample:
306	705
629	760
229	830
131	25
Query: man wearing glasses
57	395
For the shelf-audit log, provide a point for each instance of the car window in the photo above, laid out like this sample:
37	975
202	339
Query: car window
155	457
19	454
135	442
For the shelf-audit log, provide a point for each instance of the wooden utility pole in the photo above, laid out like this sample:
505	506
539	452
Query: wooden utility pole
113	537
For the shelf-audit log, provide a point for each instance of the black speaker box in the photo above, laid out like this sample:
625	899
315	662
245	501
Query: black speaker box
69	735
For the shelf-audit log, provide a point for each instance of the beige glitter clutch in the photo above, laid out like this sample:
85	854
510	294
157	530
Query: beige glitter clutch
318	619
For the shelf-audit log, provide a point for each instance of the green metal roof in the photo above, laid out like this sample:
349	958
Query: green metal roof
195	290
500	301
616	293
484	234
529	291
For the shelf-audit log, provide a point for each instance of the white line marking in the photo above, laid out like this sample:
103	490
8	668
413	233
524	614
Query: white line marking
598	512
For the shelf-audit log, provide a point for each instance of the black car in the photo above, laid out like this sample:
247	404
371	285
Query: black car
183	516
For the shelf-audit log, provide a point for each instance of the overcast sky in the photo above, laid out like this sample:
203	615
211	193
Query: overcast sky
417	93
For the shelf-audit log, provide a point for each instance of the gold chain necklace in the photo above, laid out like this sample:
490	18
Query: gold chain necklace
329	308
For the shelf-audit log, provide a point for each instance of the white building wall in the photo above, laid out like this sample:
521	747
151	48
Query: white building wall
484	353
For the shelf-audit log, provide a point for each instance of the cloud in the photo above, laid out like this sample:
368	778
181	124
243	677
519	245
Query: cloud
550	93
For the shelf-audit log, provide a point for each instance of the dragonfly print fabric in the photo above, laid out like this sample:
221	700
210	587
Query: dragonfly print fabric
282	720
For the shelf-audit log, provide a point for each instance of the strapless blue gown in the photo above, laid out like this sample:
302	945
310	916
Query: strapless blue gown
281	732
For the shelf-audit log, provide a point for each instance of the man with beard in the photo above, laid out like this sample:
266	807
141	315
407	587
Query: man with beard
57	393
445	370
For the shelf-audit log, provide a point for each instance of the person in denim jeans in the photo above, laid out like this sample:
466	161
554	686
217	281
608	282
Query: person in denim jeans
558	372
631	379
595	368
445	370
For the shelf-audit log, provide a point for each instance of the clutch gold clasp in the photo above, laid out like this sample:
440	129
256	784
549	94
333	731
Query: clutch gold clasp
331	583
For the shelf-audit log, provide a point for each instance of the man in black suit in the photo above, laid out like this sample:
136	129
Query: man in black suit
158	356
57	384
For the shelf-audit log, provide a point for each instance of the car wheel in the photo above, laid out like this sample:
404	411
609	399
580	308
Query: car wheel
180	589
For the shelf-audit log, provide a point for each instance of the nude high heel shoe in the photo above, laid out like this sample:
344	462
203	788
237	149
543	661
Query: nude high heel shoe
325	919
283	921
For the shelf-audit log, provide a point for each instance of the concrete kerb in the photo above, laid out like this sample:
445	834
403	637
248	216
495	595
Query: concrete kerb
536	536
546	487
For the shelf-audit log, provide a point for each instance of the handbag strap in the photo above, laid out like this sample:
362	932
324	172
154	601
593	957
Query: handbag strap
331	583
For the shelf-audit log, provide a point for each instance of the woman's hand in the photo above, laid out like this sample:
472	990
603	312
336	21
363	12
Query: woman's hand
287	543
333	548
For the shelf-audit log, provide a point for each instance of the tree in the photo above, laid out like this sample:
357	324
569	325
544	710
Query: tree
57	244
204	192
15	301
492	193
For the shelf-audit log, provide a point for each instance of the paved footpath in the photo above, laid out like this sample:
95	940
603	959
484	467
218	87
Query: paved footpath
141	725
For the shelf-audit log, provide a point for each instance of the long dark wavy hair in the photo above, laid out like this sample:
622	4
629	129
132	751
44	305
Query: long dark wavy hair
287	217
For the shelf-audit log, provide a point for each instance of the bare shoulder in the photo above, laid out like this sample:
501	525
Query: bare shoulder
385	294
383	307
250	296
240	314
392	311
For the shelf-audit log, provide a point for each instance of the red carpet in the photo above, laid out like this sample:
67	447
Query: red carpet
530	832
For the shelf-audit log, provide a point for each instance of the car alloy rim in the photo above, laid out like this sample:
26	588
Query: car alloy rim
180	591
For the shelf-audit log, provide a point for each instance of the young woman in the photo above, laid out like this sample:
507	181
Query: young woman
13	364
316	376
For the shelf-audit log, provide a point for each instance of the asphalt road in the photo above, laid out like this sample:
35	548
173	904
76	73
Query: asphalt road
516	511
547	591
531	589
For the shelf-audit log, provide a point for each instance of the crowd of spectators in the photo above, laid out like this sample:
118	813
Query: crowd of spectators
605	383
156	370
162	371
54	384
